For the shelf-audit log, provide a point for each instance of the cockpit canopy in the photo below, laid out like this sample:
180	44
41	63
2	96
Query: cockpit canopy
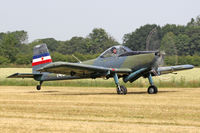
115	51
120	50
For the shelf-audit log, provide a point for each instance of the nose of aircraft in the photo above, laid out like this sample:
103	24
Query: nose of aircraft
159	58
160	53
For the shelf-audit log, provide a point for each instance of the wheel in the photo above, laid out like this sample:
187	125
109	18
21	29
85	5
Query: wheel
152	89
38	87
118	90
121	90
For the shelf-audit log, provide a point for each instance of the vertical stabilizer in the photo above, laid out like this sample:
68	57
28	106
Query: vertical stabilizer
41	57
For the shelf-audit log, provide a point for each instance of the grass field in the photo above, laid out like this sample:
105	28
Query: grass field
98	109
188	78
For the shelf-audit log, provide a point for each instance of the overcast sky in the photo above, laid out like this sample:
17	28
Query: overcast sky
63	19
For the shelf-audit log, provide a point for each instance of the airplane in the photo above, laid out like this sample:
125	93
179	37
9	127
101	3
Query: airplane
116	62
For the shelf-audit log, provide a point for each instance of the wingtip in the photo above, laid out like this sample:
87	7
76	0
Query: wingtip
190	66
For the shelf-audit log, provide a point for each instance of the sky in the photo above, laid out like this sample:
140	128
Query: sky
63	19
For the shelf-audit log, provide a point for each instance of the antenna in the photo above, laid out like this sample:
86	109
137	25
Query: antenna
76	58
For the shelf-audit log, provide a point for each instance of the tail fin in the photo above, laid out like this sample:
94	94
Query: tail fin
41	57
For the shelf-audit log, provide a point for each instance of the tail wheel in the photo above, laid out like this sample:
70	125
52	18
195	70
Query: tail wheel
122	90
152	89
38	87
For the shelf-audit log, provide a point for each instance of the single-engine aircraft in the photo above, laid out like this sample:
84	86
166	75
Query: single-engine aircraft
116	62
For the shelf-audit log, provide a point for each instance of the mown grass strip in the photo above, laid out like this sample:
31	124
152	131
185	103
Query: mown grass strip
102	83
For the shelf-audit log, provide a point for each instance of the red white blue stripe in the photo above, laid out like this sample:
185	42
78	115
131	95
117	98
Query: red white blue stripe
41	59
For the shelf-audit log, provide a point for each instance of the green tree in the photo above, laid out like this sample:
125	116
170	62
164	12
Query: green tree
4	60
58	57
75	44
24	59
168	44
100	41
194	22
175	29
21	36
193	32
9	45
137	39
52	44
183	44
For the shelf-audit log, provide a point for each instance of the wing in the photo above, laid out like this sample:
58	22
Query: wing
80	69
23	75
171	69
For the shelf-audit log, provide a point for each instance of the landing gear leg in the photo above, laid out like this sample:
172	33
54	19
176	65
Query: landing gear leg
38	87
152	88
120	88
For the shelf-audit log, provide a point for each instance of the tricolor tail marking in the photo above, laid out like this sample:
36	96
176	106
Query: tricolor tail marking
41	59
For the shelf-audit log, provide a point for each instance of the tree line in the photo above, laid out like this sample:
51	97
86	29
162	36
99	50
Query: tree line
181	44
14	48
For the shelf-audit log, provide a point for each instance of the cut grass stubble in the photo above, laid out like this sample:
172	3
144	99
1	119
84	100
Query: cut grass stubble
98	109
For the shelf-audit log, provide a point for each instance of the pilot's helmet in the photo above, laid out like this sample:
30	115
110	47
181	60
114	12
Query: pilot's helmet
114	50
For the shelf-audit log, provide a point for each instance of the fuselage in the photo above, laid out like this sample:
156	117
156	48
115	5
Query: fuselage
132	61
116	57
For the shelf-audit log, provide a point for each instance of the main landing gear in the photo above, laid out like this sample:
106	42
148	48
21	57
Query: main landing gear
120	88
38	87
152	88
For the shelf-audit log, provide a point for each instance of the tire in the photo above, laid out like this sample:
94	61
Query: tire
152	89
123	90
38	87
118	91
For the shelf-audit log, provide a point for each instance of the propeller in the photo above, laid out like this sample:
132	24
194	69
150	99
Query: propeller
159	62
160	59
151	46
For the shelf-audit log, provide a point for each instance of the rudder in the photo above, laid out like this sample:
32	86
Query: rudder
41	57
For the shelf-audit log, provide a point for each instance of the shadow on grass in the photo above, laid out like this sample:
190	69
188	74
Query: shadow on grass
144	92
42	91
107	93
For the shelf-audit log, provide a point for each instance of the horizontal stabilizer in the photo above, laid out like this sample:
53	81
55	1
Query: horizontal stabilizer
171	69
23	75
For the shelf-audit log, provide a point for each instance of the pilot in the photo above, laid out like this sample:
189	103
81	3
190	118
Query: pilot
114	50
